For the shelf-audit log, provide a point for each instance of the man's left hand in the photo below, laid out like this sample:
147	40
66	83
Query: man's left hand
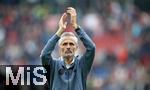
73	14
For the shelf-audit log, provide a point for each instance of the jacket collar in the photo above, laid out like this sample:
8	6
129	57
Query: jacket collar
63	65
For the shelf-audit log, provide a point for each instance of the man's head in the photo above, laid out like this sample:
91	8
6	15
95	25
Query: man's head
68	44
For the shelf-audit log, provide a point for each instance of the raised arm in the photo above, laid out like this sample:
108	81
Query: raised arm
87	59
47	50
49	47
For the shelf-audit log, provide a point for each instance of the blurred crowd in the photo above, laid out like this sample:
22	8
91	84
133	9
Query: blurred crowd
120	30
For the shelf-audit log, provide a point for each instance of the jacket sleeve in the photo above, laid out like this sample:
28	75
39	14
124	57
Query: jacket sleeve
87	59
47	50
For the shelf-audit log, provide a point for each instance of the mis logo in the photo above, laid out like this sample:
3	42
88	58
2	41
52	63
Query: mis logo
25	75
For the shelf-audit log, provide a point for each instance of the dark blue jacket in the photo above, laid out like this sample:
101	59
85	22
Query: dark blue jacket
74	78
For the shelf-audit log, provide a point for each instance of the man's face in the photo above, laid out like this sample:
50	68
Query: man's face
68	47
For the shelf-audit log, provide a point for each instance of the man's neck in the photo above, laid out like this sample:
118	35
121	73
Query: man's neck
68	60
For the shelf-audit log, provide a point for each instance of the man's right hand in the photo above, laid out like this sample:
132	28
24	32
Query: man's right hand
62	24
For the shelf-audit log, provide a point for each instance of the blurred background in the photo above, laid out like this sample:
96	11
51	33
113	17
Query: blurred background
119	28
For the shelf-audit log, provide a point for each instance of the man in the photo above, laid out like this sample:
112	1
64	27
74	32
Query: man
70	71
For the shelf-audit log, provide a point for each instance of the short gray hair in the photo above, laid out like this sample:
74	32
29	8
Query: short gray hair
68	34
